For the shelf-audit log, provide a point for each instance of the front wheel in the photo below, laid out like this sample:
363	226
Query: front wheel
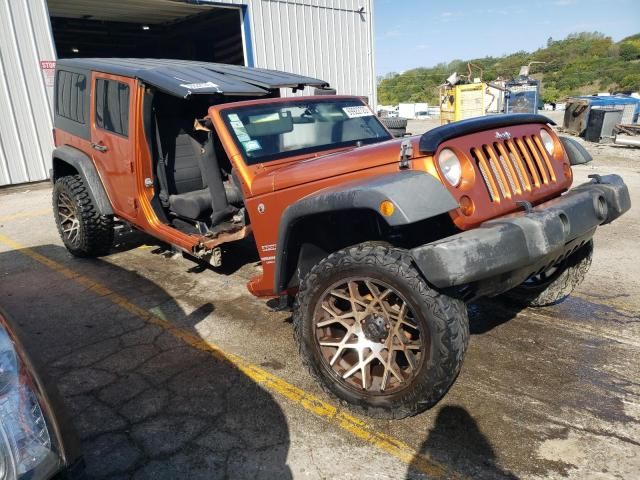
554	284
375	335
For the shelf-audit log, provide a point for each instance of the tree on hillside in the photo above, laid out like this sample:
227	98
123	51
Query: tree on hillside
630	83
583	62
630	50
550	95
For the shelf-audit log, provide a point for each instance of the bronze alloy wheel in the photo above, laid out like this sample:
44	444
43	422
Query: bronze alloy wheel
367	336
68	218
375	335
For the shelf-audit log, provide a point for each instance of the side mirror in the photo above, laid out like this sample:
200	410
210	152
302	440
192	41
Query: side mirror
577	154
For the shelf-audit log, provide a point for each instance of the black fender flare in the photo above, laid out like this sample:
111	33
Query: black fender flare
577	154
416	196
83	164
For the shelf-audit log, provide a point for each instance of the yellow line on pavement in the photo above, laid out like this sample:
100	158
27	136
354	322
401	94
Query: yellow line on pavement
267	380
32	213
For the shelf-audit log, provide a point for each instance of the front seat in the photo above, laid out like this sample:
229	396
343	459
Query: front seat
191	175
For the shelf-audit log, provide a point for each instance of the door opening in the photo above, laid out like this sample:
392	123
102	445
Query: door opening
164	30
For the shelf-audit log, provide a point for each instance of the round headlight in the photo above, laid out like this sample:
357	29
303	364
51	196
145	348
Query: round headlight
547	141
450	166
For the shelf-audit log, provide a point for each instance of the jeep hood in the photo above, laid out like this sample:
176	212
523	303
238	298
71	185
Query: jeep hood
328	165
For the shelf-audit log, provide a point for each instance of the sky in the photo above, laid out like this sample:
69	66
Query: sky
422	33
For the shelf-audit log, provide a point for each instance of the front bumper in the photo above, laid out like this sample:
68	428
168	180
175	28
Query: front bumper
505	251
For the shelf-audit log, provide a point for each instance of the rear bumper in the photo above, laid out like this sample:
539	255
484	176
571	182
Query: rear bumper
504	252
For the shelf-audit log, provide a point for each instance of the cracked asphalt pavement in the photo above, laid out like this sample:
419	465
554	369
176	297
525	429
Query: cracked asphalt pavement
170	371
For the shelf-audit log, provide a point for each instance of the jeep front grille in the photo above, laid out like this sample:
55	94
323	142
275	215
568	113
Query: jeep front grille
513	167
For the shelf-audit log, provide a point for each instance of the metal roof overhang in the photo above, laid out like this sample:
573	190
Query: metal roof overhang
149	12
268	78
184	78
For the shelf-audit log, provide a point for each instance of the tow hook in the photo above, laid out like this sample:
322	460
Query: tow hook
526	206
596	178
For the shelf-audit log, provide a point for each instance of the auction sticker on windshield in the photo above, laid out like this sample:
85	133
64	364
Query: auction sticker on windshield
356	112
238	128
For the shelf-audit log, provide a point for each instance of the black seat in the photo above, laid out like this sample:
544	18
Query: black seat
192	205
197	204
183	169
189	193
193	171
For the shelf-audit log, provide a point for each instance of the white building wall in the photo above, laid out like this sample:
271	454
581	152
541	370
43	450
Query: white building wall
25	100
327	39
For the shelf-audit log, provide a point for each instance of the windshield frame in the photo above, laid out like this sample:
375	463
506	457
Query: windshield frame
223	112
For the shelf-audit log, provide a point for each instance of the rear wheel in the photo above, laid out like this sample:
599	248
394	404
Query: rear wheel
554	284
375	335
84	232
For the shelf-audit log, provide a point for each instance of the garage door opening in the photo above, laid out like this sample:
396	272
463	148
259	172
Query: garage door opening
147	29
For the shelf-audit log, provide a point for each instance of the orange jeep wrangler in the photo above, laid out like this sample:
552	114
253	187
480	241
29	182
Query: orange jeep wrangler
381	241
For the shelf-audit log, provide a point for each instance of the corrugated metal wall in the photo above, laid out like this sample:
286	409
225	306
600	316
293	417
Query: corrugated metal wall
25	100
328	39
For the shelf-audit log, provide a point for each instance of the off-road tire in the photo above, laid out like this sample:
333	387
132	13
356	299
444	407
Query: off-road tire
570	274
394	123
95	237
444	318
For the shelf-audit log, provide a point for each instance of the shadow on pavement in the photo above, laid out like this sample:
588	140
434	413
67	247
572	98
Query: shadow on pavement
487	314
456	440
145	404
236	254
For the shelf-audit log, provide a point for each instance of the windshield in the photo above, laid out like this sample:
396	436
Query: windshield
284	129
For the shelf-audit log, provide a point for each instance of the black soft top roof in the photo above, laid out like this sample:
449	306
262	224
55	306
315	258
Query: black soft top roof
183	78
